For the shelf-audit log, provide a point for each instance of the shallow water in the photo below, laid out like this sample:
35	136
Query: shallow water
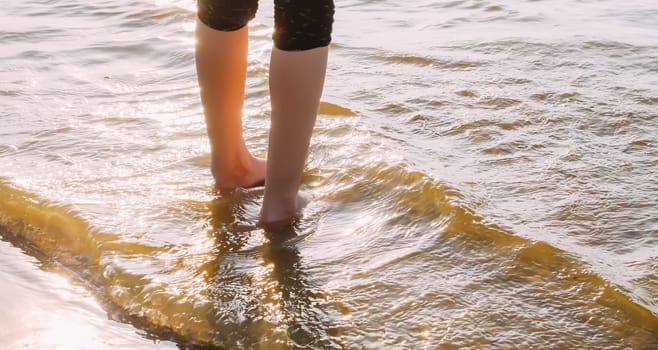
484	175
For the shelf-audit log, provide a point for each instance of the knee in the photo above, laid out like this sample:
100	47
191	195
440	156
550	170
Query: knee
302	24
226	15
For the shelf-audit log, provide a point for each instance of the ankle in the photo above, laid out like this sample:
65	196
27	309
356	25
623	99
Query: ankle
277	220
247	172
228	179
279	212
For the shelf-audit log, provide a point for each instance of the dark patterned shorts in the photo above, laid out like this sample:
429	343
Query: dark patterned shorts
298	24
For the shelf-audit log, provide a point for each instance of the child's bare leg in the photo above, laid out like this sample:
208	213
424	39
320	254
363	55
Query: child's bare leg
221	62
296	82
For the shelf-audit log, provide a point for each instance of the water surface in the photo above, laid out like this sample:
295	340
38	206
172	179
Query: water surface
484	175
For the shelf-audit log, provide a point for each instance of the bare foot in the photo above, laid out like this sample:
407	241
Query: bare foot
281	217
250	174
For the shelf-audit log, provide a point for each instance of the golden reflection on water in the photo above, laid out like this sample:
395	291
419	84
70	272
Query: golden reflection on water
241	288
43	309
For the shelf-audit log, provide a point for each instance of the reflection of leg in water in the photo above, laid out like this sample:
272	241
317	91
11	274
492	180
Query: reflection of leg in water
231	219
308	324
236	310
260	292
